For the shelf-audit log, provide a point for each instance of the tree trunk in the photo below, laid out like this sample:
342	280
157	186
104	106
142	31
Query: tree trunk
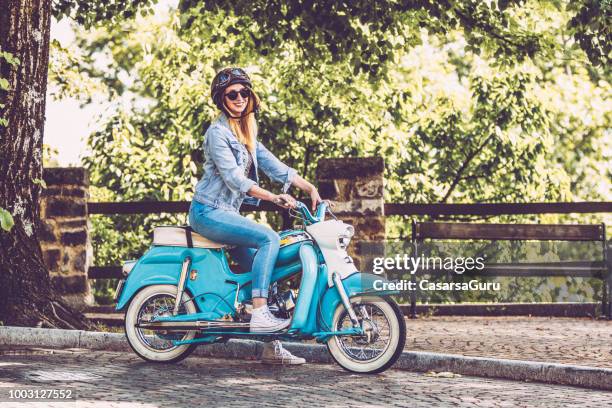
27	297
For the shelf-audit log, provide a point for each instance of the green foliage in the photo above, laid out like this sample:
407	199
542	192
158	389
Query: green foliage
67	79
9	58
12	62
369	33
90	12
591	28
40	182
50	156
440	142
6	220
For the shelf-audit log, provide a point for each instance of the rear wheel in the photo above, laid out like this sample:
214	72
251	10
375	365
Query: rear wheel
382	342
156	346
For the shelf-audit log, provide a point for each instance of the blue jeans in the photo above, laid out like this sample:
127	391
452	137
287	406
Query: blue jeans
256	244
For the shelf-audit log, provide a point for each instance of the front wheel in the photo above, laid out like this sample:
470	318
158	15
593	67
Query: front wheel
157	346
382	342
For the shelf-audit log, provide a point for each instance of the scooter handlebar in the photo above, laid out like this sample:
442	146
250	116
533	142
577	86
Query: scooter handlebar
321	208
319	212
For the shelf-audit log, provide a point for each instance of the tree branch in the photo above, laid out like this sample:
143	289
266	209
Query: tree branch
464	167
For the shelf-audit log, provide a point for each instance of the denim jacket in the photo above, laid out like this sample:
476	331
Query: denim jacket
223	184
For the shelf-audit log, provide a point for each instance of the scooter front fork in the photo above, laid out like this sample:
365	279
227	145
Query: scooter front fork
345	300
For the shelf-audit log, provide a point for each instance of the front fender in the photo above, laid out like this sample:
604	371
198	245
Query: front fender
355	285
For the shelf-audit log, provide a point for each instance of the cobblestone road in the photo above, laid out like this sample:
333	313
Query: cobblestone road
550	339
104	379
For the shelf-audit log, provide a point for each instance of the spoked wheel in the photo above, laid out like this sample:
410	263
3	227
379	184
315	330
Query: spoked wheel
382	342
154	345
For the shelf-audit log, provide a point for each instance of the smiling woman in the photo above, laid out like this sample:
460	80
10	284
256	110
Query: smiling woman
237	98
232	157
232	93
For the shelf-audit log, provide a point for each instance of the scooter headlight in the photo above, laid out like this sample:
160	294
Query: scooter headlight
345	237
343	242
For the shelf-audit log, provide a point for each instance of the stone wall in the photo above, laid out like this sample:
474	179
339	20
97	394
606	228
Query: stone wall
64	233
356	185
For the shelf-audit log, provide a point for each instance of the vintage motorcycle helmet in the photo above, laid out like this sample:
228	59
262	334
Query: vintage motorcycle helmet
225	78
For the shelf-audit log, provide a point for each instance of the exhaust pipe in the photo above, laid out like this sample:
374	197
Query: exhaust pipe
197	325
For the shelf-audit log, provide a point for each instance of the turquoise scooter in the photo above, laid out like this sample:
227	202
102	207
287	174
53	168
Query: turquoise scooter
181	293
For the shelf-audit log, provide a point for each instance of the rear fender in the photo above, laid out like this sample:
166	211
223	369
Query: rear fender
159	266
133	284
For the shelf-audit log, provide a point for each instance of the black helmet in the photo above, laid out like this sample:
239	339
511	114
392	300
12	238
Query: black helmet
225	78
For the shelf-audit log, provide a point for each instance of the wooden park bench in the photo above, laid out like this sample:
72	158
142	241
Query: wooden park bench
600	268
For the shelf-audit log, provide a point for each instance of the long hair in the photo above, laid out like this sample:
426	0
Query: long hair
245	128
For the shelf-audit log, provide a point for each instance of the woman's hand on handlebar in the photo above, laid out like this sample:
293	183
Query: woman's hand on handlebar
315	198
284	200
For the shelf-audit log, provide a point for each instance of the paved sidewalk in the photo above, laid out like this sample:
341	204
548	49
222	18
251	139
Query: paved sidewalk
107	379
579	341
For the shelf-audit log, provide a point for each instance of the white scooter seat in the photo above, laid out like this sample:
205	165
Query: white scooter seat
169	235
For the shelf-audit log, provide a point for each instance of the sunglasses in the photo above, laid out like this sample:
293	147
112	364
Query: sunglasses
228	74
233	95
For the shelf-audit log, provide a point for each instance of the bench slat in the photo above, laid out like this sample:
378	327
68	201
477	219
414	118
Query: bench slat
517	270
465	230
584	269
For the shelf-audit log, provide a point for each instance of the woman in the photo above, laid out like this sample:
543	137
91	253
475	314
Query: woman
232	157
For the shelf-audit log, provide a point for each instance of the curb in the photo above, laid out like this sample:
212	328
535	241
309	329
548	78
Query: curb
518	370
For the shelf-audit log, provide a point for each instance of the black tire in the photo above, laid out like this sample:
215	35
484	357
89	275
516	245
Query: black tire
397	340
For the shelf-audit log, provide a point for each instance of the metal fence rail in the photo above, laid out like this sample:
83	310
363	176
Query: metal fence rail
498	208
154	207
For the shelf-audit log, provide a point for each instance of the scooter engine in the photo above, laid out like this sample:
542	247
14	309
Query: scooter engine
282	304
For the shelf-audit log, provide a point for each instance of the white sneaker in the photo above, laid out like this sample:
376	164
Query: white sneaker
262	321
275	353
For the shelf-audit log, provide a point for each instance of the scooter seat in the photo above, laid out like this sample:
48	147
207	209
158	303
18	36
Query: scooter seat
182	236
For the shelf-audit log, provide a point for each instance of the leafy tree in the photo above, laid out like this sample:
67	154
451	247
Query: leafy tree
26	294
503	134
